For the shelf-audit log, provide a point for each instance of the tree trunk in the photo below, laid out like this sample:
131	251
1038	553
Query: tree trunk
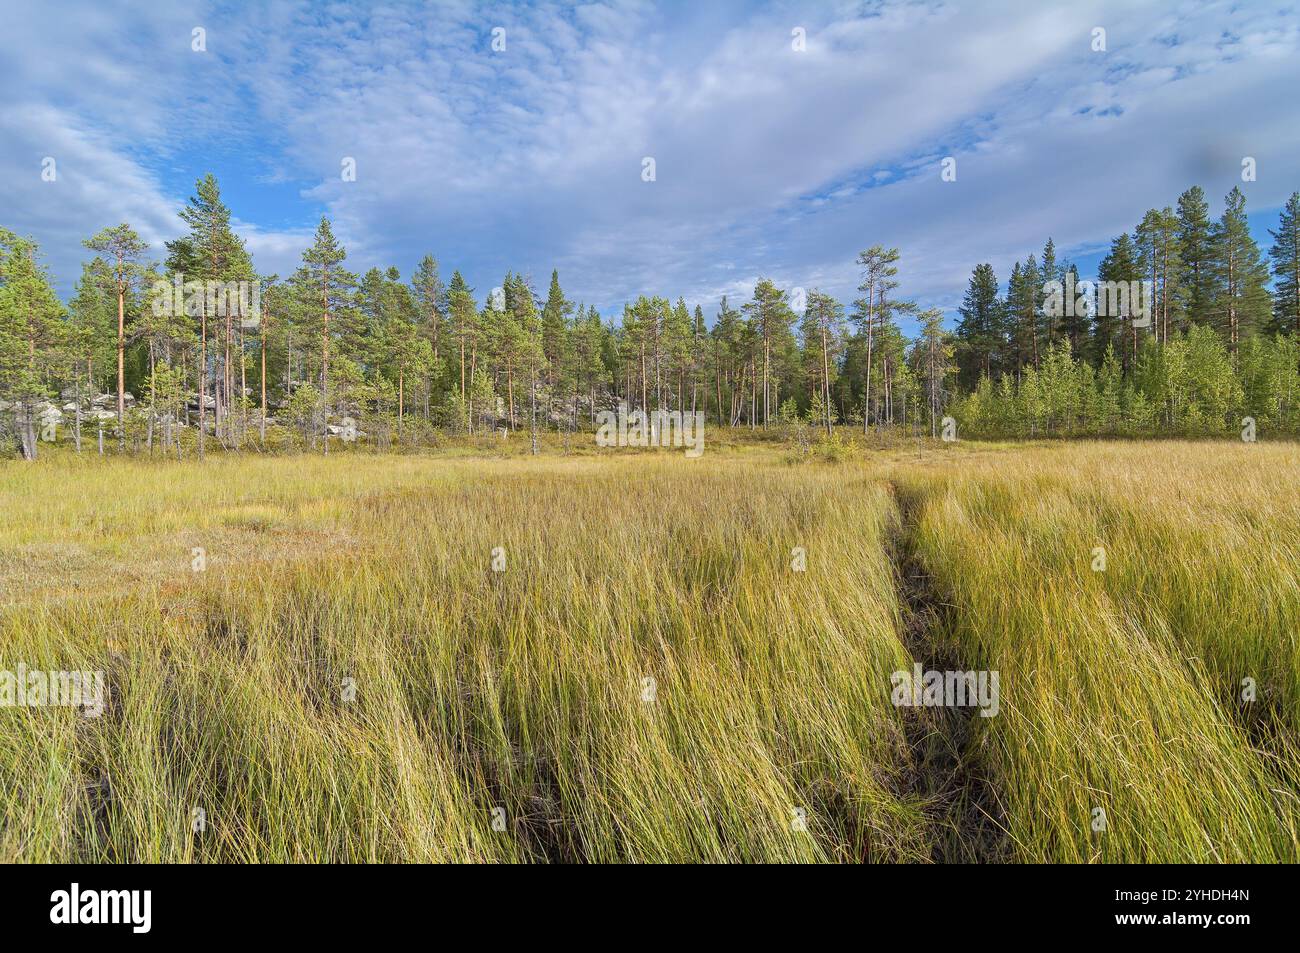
262	426
325	362
121	351
203	381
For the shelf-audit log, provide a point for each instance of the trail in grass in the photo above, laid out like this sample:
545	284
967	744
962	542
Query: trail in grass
965	811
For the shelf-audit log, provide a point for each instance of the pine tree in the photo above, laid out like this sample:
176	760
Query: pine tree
325	289
1161	262
1241	302
822	331
772	317
123	248
879	272
211	252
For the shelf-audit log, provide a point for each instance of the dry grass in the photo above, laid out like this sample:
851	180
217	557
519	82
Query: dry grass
648	679
1123	687
525	689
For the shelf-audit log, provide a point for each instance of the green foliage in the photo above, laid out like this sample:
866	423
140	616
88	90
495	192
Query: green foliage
1024	361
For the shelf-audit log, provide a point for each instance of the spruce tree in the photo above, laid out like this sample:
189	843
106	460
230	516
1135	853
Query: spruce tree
1195	277
1285	255
1075	324
1113	316
978	332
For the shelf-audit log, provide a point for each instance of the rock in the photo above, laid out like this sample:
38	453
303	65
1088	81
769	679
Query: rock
347	433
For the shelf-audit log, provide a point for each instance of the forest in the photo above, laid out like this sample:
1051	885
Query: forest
189	348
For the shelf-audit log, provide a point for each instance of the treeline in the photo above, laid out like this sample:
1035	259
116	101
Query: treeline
1210	344
171	354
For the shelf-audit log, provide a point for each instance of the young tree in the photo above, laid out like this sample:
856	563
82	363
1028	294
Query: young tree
932	359
30	332
823	331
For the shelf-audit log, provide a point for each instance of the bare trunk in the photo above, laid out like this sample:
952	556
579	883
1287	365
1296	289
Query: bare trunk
203	380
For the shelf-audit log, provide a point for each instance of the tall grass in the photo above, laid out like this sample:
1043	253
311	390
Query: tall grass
1121	686
647	680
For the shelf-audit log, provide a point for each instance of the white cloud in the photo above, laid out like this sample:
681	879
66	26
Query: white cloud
770	160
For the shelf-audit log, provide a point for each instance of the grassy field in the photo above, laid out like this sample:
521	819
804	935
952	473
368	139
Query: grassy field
634	656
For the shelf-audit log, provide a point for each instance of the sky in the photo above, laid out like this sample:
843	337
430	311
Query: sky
785	137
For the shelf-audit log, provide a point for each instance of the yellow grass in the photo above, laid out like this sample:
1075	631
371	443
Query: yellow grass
649	678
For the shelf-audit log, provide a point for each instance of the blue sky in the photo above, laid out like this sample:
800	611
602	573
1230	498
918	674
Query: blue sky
770	161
